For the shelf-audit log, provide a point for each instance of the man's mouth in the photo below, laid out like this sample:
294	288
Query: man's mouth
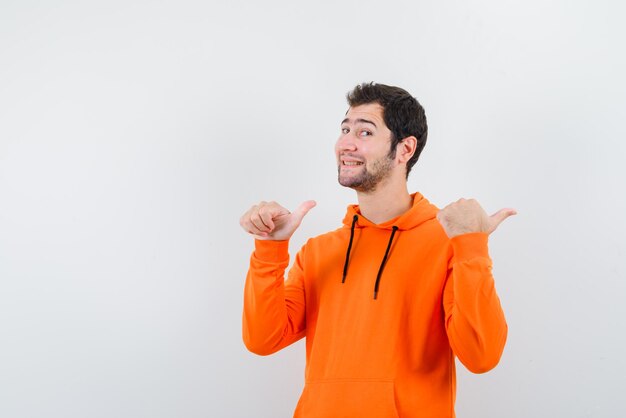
351	163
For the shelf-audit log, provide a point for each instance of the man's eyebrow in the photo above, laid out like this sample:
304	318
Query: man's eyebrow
359	120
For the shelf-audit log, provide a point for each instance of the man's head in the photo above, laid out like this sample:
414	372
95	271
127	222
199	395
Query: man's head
402	114
362	150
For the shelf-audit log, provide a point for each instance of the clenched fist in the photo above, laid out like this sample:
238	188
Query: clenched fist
466	216
270	221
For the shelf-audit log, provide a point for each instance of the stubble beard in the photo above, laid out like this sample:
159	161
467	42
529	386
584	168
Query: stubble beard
368	180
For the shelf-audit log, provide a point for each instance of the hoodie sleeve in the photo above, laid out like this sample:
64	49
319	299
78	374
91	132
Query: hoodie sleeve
273	309
475	322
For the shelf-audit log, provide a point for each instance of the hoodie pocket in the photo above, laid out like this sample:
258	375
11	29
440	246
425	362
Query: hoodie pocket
347	399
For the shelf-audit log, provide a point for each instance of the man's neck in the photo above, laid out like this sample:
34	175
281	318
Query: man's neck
385	203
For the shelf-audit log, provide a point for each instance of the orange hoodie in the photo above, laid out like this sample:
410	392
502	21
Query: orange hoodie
379	354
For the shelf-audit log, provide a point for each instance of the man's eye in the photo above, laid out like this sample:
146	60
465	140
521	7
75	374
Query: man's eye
345	130
365	133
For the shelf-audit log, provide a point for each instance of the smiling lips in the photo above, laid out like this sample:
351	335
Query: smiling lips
350	163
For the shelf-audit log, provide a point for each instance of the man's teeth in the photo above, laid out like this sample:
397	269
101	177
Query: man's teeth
352	163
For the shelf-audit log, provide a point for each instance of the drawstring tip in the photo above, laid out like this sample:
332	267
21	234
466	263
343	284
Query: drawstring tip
343	280
375	294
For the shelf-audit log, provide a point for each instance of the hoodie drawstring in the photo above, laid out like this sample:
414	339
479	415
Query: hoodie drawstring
382	265
345	266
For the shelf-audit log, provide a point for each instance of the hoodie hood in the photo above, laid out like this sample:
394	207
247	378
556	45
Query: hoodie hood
421	211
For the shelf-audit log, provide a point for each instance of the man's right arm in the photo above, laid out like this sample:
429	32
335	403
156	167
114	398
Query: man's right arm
274	310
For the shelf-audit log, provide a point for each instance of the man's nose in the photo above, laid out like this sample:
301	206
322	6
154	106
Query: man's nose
346	142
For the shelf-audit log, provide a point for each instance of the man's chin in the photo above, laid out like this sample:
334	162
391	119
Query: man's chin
353	184
348	182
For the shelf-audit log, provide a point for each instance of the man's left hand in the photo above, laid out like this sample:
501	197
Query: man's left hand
466	216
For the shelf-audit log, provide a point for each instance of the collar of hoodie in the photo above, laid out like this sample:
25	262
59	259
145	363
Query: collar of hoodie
420	212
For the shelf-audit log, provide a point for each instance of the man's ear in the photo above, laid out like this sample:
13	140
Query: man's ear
405	149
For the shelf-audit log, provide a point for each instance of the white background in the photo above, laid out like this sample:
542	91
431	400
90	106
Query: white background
133	134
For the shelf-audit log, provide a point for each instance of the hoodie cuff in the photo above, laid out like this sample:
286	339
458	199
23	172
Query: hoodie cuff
271	250
468	246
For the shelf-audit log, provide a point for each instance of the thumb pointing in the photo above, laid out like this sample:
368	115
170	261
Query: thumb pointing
499	216
304	208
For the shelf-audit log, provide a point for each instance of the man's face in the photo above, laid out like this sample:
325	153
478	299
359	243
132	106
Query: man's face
362	149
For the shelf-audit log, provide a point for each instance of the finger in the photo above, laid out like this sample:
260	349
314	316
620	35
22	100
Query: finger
251	220
262	208
266	217
303	209
255	219
261	217
270	212
244	221
253	230
498	217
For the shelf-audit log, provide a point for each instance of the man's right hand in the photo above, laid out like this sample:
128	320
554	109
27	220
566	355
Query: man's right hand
270	221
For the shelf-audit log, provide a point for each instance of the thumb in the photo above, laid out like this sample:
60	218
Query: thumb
303	209
497	218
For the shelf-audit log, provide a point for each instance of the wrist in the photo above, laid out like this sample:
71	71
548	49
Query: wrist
271	249
470	245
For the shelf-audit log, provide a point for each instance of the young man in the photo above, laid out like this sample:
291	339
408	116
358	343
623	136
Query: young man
389	300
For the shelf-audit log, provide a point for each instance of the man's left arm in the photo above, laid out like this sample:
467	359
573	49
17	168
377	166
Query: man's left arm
474	319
